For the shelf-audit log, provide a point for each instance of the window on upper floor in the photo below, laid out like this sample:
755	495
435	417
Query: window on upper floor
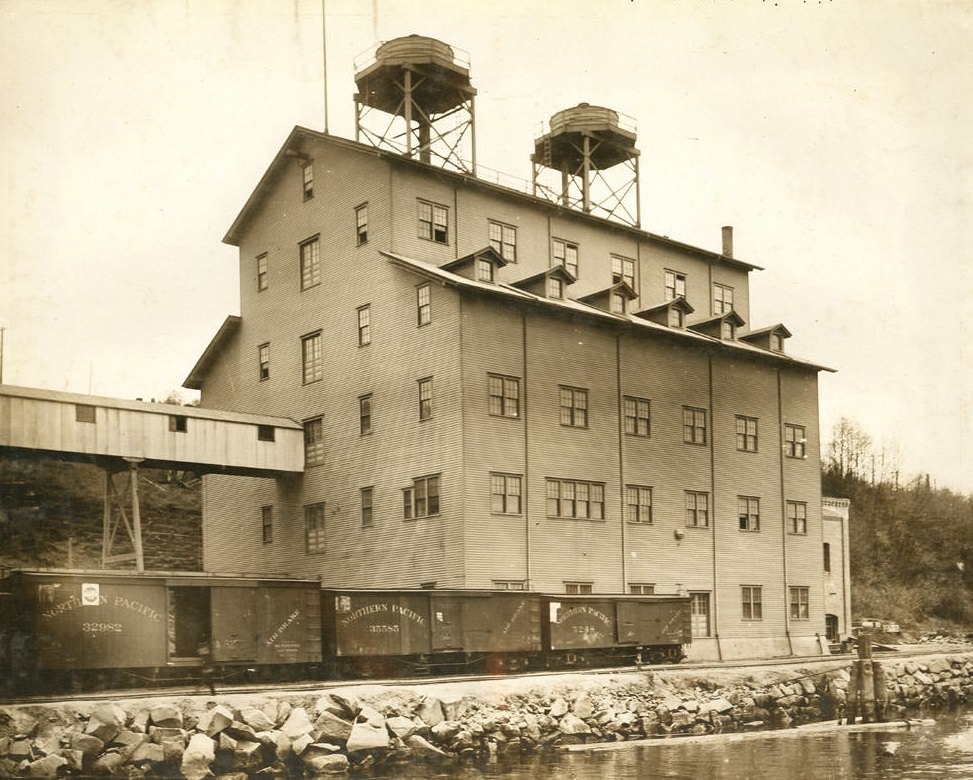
314	441
84	413
262	272
573	406
263	361
746	433
364	325
423	305
484	270
827	557
638	504
578	588
365	414
509	585
503	395
425	398
505	492
675	285
636	413
722	299
555	288
728	331
697	509
267	524
677	317
623	270
310	263
361	224
178	423
433	222
776	343
617	303
800	602
752	602
641	588
422	498
796	517
693	425
366	498
794	441
748	511
503	238
312	358
266	433
568	498
314	534
565	253
307	180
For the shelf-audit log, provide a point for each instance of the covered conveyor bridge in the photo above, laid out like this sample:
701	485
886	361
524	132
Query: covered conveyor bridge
121	436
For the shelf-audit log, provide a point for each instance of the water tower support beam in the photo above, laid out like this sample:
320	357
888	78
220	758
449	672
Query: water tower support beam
407	89
586	183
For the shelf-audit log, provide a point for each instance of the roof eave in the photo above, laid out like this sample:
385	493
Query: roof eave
195	379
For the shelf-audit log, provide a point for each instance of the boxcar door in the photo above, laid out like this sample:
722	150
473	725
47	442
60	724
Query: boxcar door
627	622
233	621
447	623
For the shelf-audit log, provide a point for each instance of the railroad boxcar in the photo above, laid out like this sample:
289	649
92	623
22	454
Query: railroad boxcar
97	628
596	630
388	632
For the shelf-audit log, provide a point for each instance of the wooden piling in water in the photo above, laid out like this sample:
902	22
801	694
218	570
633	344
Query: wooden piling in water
881	691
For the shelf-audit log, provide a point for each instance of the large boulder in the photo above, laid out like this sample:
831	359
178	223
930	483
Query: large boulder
247	756
198	757
49	766
256	719
297	723
400	727
214	720
331	728
365	736
325	763
571	724
148	753
106	722
166	715
422	748
431	711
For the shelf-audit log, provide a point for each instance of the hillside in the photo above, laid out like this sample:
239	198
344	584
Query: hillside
51	516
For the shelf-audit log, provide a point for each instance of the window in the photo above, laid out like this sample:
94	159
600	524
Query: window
636	416
365	414
623	270
266	433
422	499
569	498
555	288
314	528
178	423
752	597
577	588
505	494
797	517
267	524
312	358
263	360
565	253
574	407
484	270
699	613
433	222
641	589
314	441
693	425
697	509
827	557
509	585
638	504
677	317
361	224
503	238
800	603
84	413
748	510
776	342
728	330
364	325
503	395
367	519
722	299
308	180
423	305
262	272
794	441
617	303
310	263
425	398
675	285
746	433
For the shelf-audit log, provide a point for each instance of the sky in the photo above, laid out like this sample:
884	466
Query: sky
836	137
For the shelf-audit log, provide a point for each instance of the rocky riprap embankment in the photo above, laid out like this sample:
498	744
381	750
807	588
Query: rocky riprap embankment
239	736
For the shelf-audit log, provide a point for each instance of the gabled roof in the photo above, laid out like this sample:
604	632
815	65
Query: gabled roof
487	253
678	303
558	271
229	327
619	287
778	328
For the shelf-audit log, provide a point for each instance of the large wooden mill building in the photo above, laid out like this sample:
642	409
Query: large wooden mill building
510	389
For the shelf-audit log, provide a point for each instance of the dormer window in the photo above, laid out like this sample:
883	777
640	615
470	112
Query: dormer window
484	270
555	287
728	330
617	303
671	314
677	318
776	342
771	338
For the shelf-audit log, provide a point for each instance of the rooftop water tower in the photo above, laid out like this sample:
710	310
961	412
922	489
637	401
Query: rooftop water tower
588	161
415	98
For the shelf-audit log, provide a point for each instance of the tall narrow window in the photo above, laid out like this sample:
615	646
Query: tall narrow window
314	537
433	222
364	325
503	238
267	523
638	504
722	299
484	270
699	613
262	272
827	557
505	494
636	412
310	263
617	303
797	517
422	498
697	509
574	407
263	358
307	180
314	441
728	331
565	253
423	305
312	358
776	343
623	270
746	433
693	425
800	600
555	288
365	414
748	509
675	285
794	441
361	224
425	398
677	318
503	395
752	598
367	519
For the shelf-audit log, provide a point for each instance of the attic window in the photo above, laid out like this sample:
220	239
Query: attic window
776	342
178	423
308	180
265	433
728	330
84	413
617	303
677	318
555	287
484	271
